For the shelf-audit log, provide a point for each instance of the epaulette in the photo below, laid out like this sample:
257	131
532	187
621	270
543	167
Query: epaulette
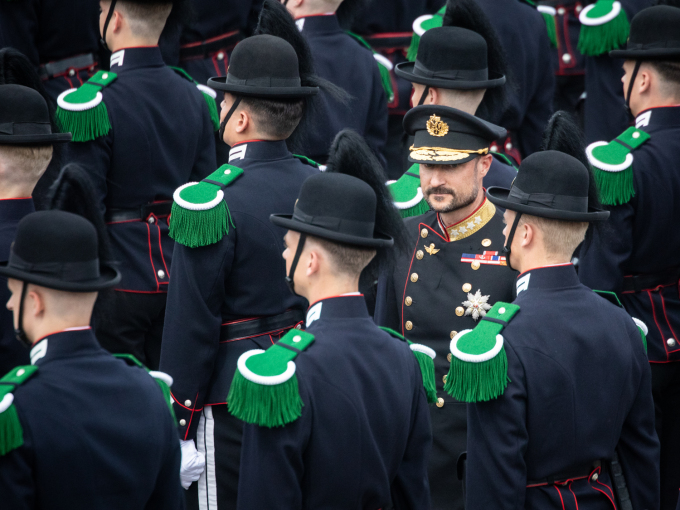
384	65
11	431
425	357
548	14
421	25
613	298
200	216
479	365
407	195
604	27
82	111
264	390
613	165
208	94
306	160
163	380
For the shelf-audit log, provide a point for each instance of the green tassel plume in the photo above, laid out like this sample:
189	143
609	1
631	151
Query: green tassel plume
412	52
615	187
212	108
644	338
550	26
11	433
420	208
427	370
85	125
477	382
600	39
386	82
200	228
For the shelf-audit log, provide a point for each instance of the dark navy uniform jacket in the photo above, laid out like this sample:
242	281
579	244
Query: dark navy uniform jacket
580	387
98	433
522	32
241	277
12	352
161	138
45	31
343	61
639	239
364	437
499	174
568	60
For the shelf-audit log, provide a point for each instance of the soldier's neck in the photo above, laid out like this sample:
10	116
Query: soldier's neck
128	41
15	190
453	217
330	287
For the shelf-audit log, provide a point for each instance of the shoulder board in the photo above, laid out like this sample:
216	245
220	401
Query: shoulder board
209	95
613	165
306	160
406	193
11	432
613	298
425	357
163	380
420	26
384	65
479	365
82	111
548	14
264	390
200	216
604	27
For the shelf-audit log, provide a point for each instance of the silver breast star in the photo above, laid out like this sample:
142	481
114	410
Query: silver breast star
477	305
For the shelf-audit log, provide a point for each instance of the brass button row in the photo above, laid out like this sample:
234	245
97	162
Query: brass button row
408	301
408	325
420	254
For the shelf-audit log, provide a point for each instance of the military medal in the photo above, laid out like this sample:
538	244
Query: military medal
477	305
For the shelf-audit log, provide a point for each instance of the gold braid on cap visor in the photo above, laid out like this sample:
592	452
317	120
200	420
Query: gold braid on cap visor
442	153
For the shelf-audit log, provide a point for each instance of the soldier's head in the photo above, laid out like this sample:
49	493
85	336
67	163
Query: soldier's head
127	23
452	149
657	83
547	210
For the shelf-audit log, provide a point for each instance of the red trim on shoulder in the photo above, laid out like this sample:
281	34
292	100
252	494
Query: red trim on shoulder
249	141
333	297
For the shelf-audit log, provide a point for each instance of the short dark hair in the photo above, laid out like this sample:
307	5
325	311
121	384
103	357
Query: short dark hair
277	118
347	259
670	75
146	19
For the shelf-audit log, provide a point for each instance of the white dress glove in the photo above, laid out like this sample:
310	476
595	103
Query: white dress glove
193	463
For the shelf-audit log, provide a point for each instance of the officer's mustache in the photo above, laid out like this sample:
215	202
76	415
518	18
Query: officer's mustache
440	190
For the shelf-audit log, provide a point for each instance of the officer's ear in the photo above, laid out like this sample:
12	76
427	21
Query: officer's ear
314	261
527	234
35	301
484	163
244	121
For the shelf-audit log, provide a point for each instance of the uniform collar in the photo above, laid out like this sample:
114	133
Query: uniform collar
559	276
347	306
13	209
133	58
470	225
64	344
319	24
661	116
258	150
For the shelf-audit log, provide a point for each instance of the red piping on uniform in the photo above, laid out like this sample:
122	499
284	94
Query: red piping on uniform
572	493
445	239
560	482
247	141
70	83
560	493
190	418
272	332
544	267
153	268
142	291
135	47
389	35
610	492
657	323
333	297
212	39
470	215
656	107
67	330
192	409
663	304
17	198
217	69
160	246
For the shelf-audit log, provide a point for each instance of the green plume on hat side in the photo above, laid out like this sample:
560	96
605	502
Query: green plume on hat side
200	215
604	27
209	95
407	195
11	431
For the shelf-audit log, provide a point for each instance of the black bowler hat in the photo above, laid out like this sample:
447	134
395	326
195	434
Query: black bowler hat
447	136
263	66
549	184
654	35
58	250
336	207
25	119
451	58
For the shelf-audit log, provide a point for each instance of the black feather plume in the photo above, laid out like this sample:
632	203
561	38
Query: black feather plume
349	10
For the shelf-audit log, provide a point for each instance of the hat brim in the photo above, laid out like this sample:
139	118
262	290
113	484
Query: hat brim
287	221
653	54
109	277
34	139
467	158
268	92
499	196
405	70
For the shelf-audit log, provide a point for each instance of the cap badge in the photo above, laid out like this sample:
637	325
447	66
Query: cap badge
437	127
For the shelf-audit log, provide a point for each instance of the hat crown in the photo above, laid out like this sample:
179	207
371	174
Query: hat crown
22	105
264	56
553	172
338	196
452	49
657	26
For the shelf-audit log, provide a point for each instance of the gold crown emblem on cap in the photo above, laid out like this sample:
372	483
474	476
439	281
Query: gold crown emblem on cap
437	127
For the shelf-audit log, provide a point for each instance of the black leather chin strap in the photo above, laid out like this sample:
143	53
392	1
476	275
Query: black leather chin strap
424	95
633	77
106	23
291	275
508	243
231	111
19	332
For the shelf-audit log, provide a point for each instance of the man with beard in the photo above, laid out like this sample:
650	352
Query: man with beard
453	274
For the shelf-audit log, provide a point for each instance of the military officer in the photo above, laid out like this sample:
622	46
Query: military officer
227	295
140	130
25	152
80	429
453	273
532	370
638	180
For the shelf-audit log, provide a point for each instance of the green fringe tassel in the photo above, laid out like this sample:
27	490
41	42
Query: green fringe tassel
644	338
552	30
615	187
11	433
427	369
212	108
86	125
266	406
167	395
477	382
420	208
413	48
596	40
200	228
386	82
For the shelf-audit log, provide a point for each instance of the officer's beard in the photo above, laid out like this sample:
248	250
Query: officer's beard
458	199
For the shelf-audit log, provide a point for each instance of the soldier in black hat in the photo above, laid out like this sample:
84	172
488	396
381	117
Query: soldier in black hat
140	130
559	389
639	181
453	272
80	429
26	145
227	295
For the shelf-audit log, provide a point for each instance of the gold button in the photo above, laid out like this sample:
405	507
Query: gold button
460	311
414	277
423	233
445	377
486	242
409	325
453	333
440	402
408	301
419	254
467	287
475	265
449	356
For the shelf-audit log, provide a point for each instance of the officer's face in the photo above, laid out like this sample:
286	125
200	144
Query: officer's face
448	188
